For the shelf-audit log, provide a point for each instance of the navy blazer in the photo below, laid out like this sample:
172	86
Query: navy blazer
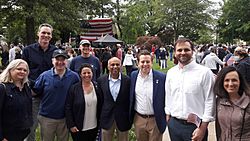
159	79
118	110
75	106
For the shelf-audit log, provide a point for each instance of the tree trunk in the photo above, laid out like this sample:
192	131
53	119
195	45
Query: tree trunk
118	17
30	21
30	30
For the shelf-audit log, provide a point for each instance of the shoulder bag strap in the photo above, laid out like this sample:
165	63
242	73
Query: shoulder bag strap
4	87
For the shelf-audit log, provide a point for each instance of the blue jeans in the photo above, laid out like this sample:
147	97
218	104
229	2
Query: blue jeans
171	56
181	131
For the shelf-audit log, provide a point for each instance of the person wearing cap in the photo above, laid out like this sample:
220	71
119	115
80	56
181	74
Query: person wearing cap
242	62
86	57
53	85
38	56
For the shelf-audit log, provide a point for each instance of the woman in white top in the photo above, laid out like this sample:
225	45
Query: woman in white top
83	107
129	61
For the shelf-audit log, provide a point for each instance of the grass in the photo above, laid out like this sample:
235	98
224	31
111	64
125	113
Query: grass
157	67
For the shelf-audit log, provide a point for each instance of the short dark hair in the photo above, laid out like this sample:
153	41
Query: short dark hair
183	40
219	83
144	52
85	65
45	25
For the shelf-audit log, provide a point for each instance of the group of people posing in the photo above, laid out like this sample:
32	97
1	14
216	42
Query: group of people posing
40	88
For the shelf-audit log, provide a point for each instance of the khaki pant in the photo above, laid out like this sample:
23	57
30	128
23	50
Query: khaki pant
51	128
107	135
146	129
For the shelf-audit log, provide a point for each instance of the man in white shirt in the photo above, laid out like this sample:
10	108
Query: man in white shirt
147	99
189	91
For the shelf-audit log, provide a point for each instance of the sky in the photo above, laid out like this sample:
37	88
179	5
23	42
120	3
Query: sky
217	2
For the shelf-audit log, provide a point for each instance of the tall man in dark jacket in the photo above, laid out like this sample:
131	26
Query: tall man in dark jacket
38	56
114	88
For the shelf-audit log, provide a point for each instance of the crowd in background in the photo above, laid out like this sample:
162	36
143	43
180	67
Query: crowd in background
83	91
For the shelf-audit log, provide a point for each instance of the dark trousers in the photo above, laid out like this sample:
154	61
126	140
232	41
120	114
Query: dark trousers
89	135
105	67
17	135
214	71
182	131
128	70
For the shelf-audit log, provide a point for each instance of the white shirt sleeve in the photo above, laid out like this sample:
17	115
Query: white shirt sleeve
209	111
167	97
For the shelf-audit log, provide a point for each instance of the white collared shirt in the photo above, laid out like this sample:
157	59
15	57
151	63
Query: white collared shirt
144	94
190	90
114	86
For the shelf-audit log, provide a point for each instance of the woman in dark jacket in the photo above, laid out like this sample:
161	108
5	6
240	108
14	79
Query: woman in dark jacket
83	106
15	102
233	106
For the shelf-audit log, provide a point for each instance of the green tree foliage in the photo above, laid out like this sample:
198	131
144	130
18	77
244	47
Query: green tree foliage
204	37
235	22
184	17
167	18
133	21
97	8
24	16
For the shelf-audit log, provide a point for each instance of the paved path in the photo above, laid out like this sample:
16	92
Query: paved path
211	133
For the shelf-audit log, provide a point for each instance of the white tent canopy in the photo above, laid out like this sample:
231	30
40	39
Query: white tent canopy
107	39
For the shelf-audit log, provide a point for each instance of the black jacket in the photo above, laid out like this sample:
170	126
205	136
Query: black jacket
118	110
38	60
15	108
75	106
244	68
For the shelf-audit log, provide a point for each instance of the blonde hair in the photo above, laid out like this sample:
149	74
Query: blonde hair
5	76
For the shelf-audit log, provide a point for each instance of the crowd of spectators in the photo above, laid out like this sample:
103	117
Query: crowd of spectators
83	91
